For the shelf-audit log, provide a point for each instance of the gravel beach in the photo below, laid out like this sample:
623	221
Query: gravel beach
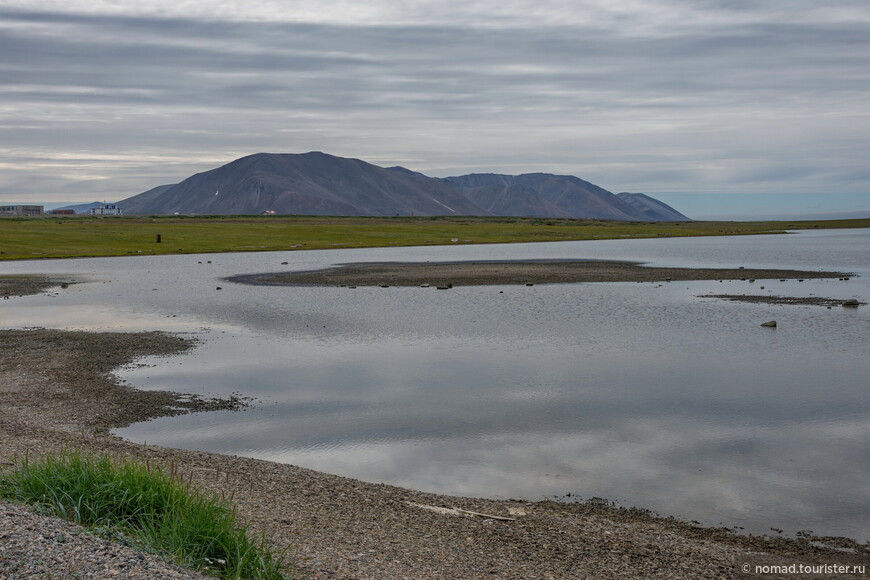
58	393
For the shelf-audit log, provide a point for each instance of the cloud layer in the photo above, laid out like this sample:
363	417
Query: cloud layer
109	99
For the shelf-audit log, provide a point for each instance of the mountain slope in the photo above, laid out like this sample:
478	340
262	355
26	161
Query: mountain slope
501	195
311	183
137	203
551	195
650	208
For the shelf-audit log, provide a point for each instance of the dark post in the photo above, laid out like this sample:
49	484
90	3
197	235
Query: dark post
158	238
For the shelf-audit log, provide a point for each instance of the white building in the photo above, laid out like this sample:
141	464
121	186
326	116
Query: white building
106	209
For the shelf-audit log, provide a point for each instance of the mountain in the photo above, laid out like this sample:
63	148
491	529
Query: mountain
320	184
651	208
309	184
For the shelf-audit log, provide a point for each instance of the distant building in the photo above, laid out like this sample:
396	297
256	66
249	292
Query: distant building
106	209
63	212
21	209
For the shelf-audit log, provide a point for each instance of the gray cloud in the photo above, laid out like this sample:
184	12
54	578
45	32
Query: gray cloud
704	97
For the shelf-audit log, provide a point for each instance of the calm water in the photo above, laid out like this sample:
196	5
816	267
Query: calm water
641	393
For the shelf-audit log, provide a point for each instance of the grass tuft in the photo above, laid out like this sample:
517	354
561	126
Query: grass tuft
158	508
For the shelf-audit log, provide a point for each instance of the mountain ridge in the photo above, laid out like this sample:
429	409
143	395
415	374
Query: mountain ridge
317	183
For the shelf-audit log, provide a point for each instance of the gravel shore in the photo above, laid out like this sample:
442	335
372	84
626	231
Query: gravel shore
512	272
59	393
11	285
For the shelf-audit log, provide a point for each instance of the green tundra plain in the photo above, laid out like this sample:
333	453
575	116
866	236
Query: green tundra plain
89	236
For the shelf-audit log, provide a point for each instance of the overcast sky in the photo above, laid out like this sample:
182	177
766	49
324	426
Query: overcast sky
104	99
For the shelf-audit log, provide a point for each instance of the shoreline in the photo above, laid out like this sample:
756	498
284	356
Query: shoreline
343	528
528	272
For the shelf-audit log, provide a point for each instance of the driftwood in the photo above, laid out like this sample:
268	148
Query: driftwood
455	511
488	516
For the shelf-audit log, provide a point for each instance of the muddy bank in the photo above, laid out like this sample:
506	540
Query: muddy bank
512	272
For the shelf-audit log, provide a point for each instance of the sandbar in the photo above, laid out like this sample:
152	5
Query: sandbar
476	273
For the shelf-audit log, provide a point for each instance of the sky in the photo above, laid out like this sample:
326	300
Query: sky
716	106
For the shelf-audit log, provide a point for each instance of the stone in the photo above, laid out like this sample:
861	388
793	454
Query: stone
769	324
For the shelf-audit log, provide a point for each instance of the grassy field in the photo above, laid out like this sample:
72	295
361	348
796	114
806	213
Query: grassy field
53	237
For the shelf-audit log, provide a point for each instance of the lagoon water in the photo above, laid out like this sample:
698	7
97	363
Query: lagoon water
645	394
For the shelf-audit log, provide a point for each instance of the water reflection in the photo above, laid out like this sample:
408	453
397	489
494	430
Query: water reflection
642	393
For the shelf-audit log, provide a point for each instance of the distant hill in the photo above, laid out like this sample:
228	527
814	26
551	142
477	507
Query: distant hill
82	207
320	184
547	195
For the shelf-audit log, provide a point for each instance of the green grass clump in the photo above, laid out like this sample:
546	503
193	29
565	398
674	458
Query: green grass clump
148	504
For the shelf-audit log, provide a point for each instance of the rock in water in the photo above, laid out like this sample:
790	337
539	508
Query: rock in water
769	324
